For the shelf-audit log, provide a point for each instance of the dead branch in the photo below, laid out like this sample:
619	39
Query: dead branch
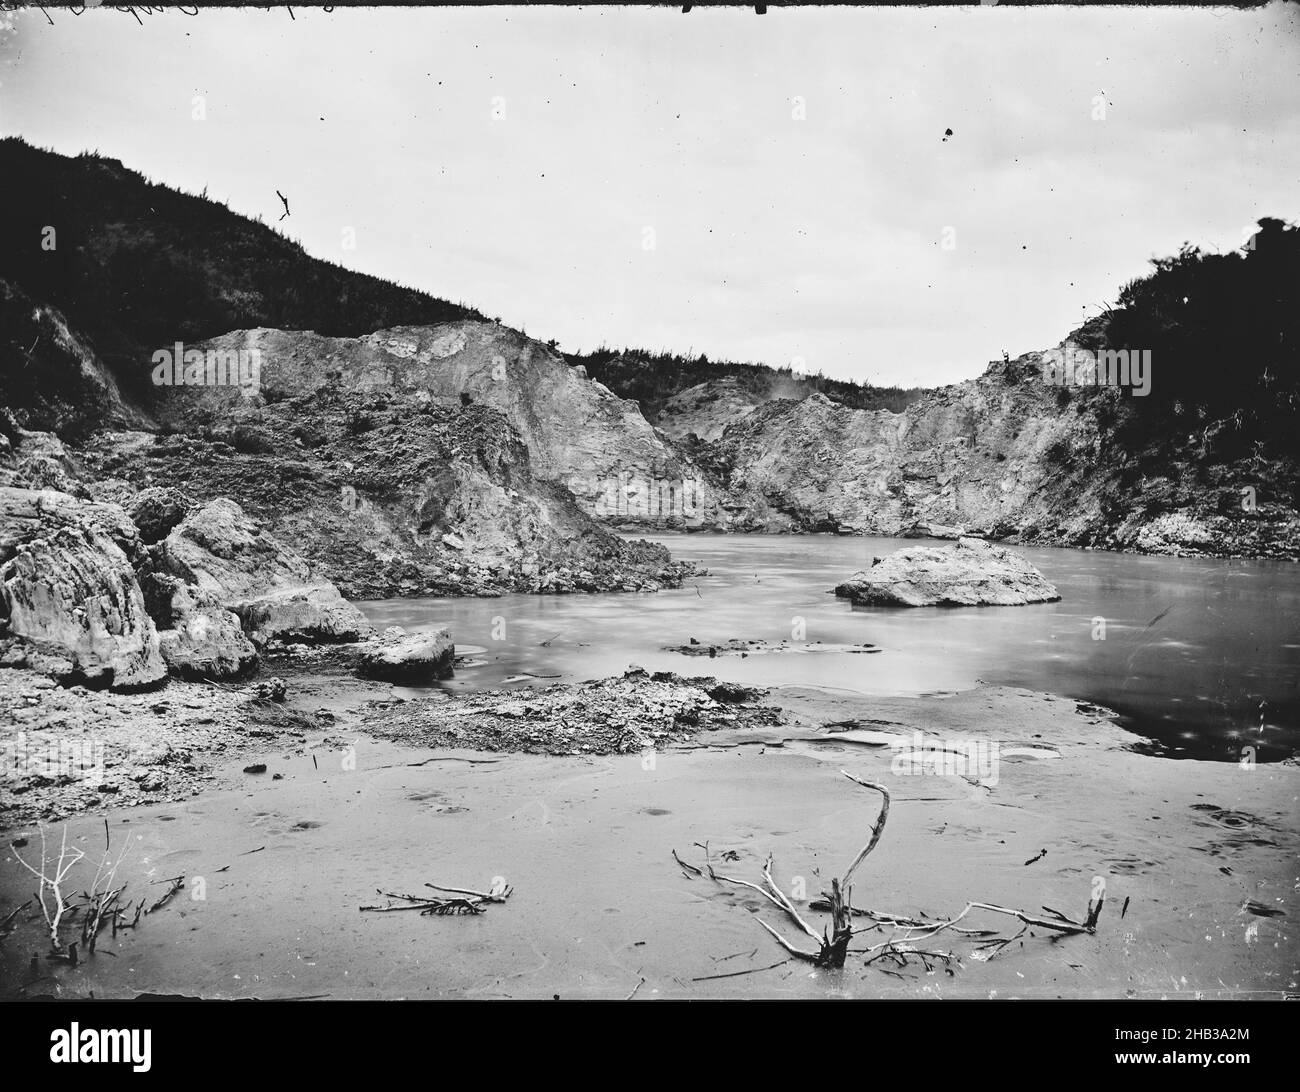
901	948
462	901
833	947
176	882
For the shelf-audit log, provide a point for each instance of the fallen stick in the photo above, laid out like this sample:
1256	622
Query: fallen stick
464	900
4	925
688	867
495	895
737	974
177	882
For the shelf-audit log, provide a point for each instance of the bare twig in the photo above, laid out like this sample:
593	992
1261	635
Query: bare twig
177	882
737	974
6	925
53	881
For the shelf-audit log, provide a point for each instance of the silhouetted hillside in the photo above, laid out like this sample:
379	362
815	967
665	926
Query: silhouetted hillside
1224	336
136	266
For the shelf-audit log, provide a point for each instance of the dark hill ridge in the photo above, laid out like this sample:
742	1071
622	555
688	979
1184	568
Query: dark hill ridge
653	379
138	265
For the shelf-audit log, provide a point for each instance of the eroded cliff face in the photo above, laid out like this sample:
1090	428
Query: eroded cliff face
578	434
1006	455
704	412
968	456
384	494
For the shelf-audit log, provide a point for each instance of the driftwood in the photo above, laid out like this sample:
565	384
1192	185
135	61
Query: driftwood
458	900
175	884
900	949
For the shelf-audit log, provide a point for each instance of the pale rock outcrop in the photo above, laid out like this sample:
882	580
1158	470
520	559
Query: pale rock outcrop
412	658
27	513
1008	455
275	592
36	460
70	604
383	492
967	456
316	614
199	638
707	410
578	433
971	573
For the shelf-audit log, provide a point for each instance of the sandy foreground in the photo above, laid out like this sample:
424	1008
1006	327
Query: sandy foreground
1039	798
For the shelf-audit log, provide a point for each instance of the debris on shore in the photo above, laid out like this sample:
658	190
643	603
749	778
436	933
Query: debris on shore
738	647
635	712
69	750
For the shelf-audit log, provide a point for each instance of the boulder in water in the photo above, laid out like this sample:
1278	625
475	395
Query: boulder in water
971	573
412	658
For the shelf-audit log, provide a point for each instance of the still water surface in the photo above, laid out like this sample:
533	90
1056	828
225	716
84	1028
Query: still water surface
1200	657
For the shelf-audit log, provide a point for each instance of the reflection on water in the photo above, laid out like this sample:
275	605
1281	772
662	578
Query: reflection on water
1202	656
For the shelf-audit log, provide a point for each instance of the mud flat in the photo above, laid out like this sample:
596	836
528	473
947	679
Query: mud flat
1198	860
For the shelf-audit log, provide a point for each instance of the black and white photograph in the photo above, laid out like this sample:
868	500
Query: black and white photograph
696	502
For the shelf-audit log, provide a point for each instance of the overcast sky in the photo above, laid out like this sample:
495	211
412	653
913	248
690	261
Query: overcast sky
774	238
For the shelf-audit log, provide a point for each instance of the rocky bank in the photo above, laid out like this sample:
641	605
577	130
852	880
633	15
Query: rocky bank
1006	456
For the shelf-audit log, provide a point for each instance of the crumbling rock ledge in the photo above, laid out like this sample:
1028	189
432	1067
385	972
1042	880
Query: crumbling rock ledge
277	595
70	604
